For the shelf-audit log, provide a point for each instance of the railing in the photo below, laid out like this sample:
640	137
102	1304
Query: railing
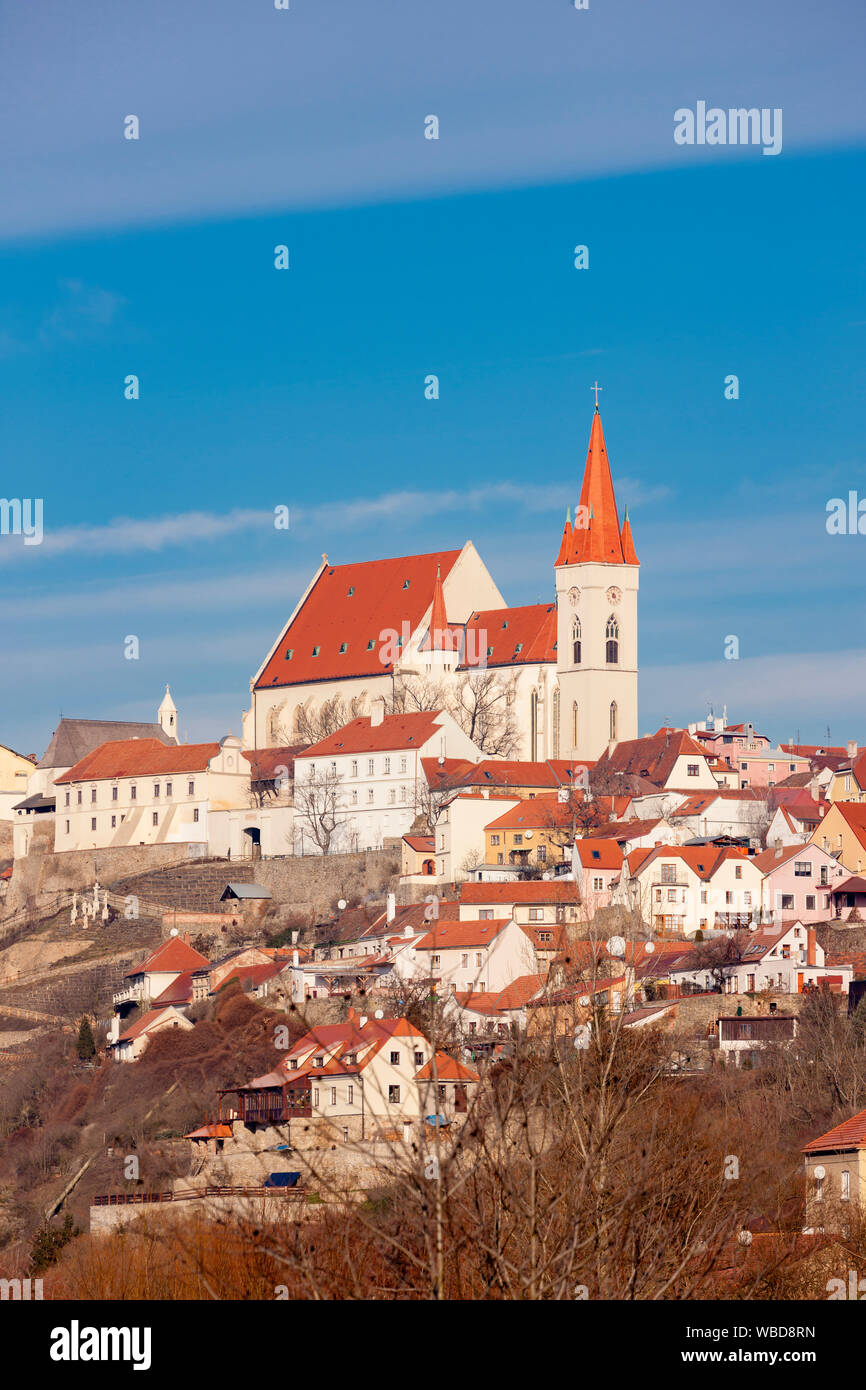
134	1199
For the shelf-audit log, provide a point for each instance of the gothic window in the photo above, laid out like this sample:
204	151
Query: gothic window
613	733
556	722
575	642
574	726
611	650
533	730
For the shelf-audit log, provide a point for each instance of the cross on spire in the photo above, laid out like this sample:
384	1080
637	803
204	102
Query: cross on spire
596	388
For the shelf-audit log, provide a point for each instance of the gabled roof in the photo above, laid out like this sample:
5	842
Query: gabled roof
770	859
624	830
174	954
854	815
140	757
447	1069
266	763
354	606
422	844
145	1023
396	732
453	936
601	539
457	773
515	636
654	756
703	860
541	812
73	739
178	992
850	1134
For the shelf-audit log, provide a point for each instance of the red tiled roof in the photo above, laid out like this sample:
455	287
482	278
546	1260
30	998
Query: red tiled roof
622	830
599	853
397	731
422	843
654	756
515	636
142	1024
250	976
214	1131
456	773
385	594
854	813
451	935
770	859
178	992
265	762
519	992
447	1069
703	860
850	1134
536	892
543	812
173	954
133	757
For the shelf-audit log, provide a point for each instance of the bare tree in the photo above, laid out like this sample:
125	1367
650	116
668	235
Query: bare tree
411	693
315	722
482	703
318	806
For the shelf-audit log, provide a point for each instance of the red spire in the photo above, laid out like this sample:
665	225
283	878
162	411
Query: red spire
628	551
601	540
566	542
439	638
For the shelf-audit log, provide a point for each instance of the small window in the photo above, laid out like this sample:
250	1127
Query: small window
354	767
113	822
319	1062
350	1095
113	795
79	796
333	1095
479	959
92	822
67	798
405	583
92	794
692	769
190	789
485	914
195	815
394	1091
316	1095
156	791
168	789
395	1059
133	793
351	591
371	644
494	839
316	651
846	1185
536	914
371	766
290	651
67	827
738	871
156	817
387	766
419	1058
343	648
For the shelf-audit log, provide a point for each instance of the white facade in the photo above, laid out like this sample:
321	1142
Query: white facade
597	698
459	833
475	962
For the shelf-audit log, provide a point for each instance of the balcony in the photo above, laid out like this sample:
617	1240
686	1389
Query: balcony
130	994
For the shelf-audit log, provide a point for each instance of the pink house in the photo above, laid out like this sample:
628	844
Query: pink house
597	864
723	739
765	767
798	881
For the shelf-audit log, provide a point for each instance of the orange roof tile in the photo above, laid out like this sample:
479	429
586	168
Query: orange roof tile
536	891
599	853
514	636
133	757
628	551
447	1069
142	1024
351	607
174	954
543	812
396	731
567	541
601	540
850	1134
452	935
654	756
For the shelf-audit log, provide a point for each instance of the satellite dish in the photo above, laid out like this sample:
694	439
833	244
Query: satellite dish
379	1014
527	835
616	946
819	1171
341	904
583	1001
745	1237
440	760
173	931
650	947
582	1037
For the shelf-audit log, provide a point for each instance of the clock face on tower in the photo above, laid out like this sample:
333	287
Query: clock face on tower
573	597
614	594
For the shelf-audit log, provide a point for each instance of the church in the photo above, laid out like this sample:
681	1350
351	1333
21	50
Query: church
549	680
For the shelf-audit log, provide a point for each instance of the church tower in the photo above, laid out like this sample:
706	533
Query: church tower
167	716
596	599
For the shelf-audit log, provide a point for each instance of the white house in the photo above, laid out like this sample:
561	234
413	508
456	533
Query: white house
143	792
476	957
687	888
459	832
367	777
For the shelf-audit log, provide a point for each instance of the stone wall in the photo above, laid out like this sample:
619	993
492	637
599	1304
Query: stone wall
314	882
42	872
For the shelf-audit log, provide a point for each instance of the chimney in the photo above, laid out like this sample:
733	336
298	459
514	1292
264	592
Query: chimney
295	958
811	947
295	935
778	848
407	930
693	728
378	712
390	908
114	1030
852	748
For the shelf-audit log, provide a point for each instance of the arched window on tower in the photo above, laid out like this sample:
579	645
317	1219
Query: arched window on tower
611	646
575	642
613	733
574	727
555	720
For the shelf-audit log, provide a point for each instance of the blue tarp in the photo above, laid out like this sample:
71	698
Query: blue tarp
282	1179
437	1121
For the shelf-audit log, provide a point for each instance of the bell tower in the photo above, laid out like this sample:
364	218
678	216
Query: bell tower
596	599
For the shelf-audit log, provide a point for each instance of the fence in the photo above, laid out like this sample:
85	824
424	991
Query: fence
117	1199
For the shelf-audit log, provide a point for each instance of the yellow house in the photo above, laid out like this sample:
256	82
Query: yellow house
835	1172
848	783
842	833
533	832
15	772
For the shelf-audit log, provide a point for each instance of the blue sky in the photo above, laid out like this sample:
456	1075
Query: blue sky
408	256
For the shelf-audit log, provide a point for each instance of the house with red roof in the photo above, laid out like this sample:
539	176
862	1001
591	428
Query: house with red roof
141	791
560	676
669	759
597	866
842	833
479	956
785	960
490	1017
365	781
835	1166
173	967
683	889
798	882
352	1081
128	1046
